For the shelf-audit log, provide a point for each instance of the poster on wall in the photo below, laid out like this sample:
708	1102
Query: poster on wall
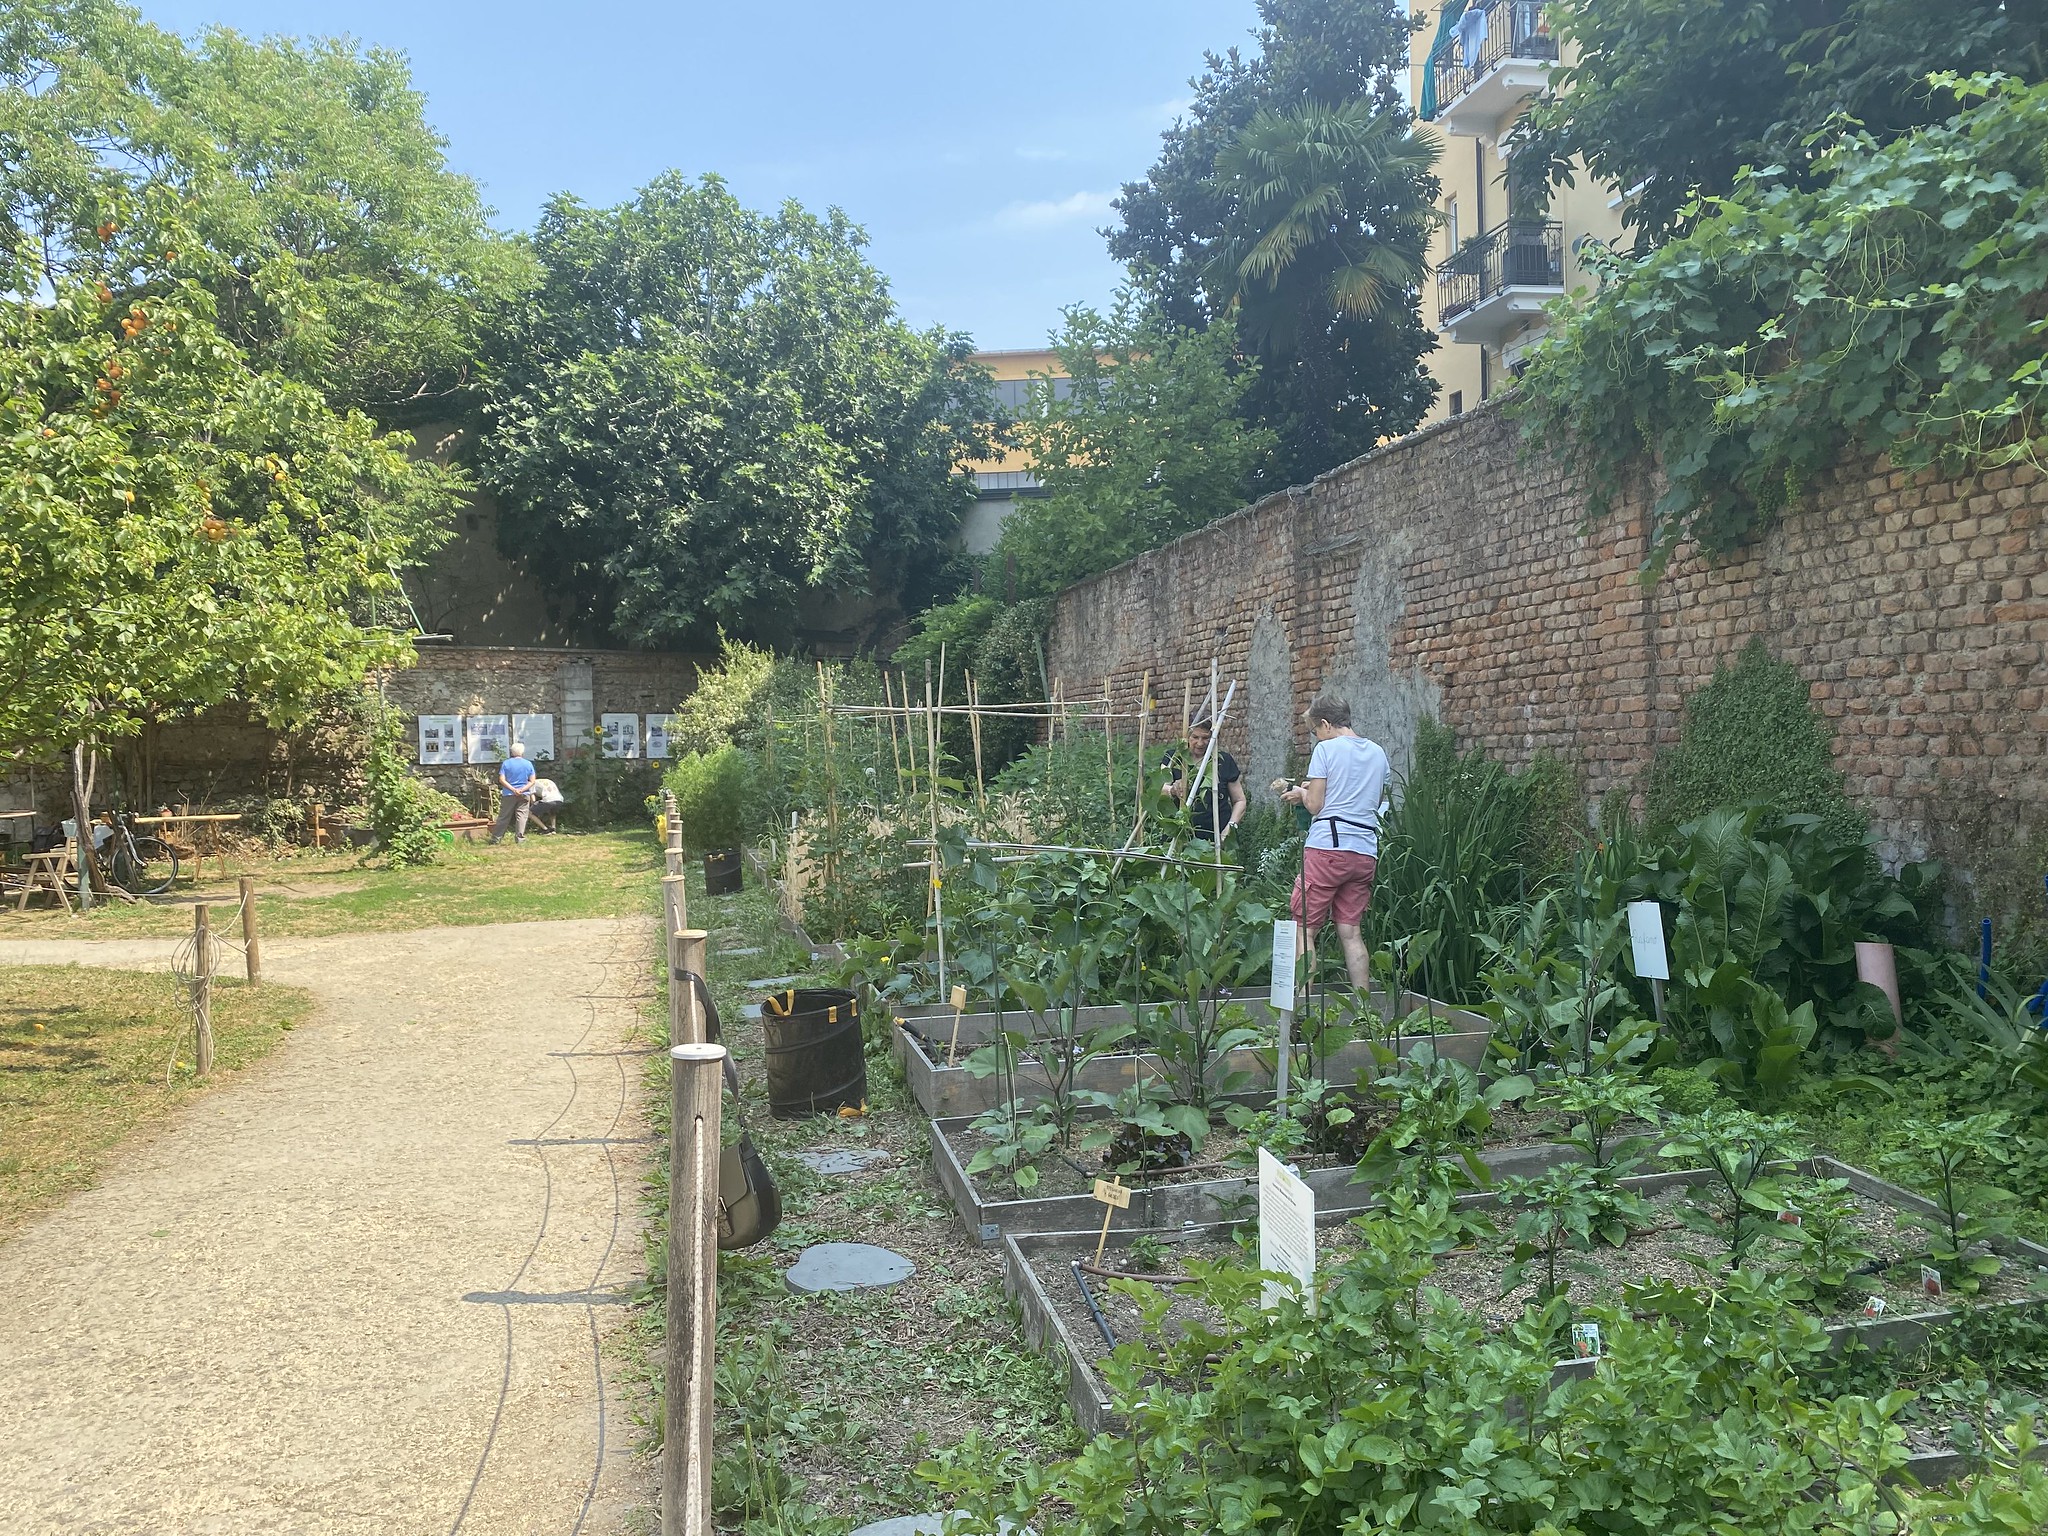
619	735
490	737
440	740
537	734
657	735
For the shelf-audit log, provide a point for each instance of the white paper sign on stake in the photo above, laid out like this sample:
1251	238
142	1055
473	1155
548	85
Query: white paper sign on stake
1646	936
1283	965
1287	1230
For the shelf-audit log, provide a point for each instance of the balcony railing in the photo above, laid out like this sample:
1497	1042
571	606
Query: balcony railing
1515	29
1524	253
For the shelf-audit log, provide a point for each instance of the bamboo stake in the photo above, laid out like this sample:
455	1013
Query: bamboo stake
1109	756
895	752
974	729
938	892
1138	793
830	874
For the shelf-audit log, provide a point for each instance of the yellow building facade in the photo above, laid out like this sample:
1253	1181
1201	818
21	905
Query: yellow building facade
1002	481
1475	66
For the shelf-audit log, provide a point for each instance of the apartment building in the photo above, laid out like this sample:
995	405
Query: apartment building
1002	481
1476	64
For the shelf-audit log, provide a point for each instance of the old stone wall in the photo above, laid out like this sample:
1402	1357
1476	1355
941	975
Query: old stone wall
1448	574
225	756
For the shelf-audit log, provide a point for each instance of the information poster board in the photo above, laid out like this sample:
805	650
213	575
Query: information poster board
619	735
440	741
657	735
537	734
1287	1230
489	737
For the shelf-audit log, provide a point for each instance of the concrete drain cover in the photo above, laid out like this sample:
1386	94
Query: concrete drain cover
847	1267
841	1161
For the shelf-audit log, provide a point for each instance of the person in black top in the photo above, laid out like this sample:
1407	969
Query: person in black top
1203	819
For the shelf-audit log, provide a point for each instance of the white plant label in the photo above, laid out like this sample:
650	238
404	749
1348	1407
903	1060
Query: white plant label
1287	1230
1646	937
1283	965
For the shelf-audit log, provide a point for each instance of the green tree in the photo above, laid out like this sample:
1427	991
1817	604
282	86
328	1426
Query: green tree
303	183
178	527
1333	382
1145	446
702	413
1673	98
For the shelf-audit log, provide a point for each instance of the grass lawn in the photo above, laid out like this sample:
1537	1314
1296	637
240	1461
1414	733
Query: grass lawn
89	1056
589	874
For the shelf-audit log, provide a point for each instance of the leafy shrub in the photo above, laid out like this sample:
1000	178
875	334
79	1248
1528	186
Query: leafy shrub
406	813
1751	735
604	791
725	708
715	793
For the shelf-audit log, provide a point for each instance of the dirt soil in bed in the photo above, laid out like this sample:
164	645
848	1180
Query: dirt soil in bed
1472	1277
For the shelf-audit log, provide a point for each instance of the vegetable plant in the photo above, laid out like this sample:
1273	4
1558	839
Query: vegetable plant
1738	1147
1557	1213
1945	1157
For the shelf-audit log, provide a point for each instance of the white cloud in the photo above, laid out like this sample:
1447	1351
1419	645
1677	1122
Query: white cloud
1050	213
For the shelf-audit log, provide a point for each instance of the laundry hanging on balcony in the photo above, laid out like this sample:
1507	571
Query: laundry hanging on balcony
1472	32
1446	29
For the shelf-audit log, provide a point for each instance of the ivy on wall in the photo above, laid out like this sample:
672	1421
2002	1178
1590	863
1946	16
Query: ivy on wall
1896	307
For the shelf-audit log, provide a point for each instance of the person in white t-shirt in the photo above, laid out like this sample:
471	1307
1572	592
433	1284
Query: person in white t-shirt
1347	779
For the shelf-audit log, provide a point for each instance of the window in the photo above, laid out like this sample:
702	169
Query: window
992	483
1457	402
1015	394
1451	224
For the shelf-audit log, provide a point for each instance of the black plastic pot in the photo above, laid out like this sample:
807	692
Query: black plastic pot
815	1063
722	872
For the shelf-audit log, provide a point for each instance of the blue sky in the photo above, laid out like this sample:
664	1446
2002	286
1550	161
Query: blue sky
979	144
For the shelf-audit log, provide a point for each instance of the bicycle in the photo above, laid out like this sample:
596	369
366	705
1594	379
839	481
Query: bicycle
141	865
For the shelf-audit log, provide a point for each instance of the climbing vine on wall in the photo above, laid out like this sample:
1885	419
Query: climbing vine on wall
1896	307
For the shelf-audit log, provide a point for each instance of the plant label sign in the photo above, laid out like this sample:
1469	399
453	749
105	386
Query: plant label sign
1287	1230
1283	965
1111	1193
1646	937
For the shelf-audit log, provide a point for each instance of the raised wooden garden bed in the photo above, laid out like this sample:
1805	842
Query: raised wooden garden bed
924	1037
1169	1202
1038	1275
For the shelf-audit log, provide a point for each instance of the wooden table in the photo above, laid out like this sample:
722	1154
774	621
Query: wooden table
200	822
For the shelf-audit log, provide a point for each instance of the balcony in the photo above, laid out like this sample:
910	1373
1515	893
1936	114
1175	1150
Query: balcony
1499	280
1511	64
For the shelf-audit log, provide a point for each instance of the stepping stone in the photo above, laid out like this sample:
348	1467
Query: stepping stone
771	983
847	1267
754	951
913	1525
841	1160
750	1010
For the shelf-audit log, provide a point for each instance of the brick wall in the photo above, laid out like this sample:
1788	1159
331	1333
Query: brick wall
1449	574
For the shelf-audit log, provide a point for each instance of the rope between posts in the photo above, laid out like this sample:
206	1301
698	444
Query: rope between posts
185	966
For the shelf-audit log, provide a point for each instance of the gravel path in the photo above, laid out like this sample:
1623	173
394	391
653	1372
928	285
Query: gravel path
361	1288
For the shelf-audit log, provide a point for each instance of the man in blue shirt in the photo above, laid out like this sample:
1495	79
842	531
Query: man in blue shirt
515	794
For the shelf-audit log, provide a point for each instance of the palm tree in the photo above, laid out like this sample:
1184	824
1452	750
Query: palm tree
1334	212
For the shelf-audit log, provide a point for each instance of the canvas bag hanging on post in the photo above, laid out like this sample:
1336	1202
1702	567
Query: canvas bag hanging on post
749	1203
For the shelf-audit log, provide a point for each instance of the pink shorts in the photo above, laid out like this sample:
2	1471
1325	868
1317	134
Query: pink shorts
1333	881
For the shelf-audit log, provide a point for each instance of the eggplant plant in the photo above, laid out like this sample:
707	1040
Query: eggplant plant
1197	1025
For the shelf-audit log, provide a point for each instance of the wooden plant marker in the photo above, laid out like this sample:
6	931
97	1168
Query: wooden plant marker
1114	1197
959	1002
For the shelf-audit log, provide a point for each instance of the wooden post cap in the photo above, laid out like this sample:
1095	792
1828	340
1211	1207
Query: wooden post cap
697	1054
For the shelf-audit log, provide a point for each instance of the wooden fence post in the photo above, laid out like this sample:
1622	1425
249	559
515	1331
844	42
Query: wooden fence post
696	1085
252	942
675	902
685	1018
202	986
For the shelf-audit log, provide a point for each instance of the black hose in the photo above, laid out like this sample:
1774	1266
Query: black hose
1089	1296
